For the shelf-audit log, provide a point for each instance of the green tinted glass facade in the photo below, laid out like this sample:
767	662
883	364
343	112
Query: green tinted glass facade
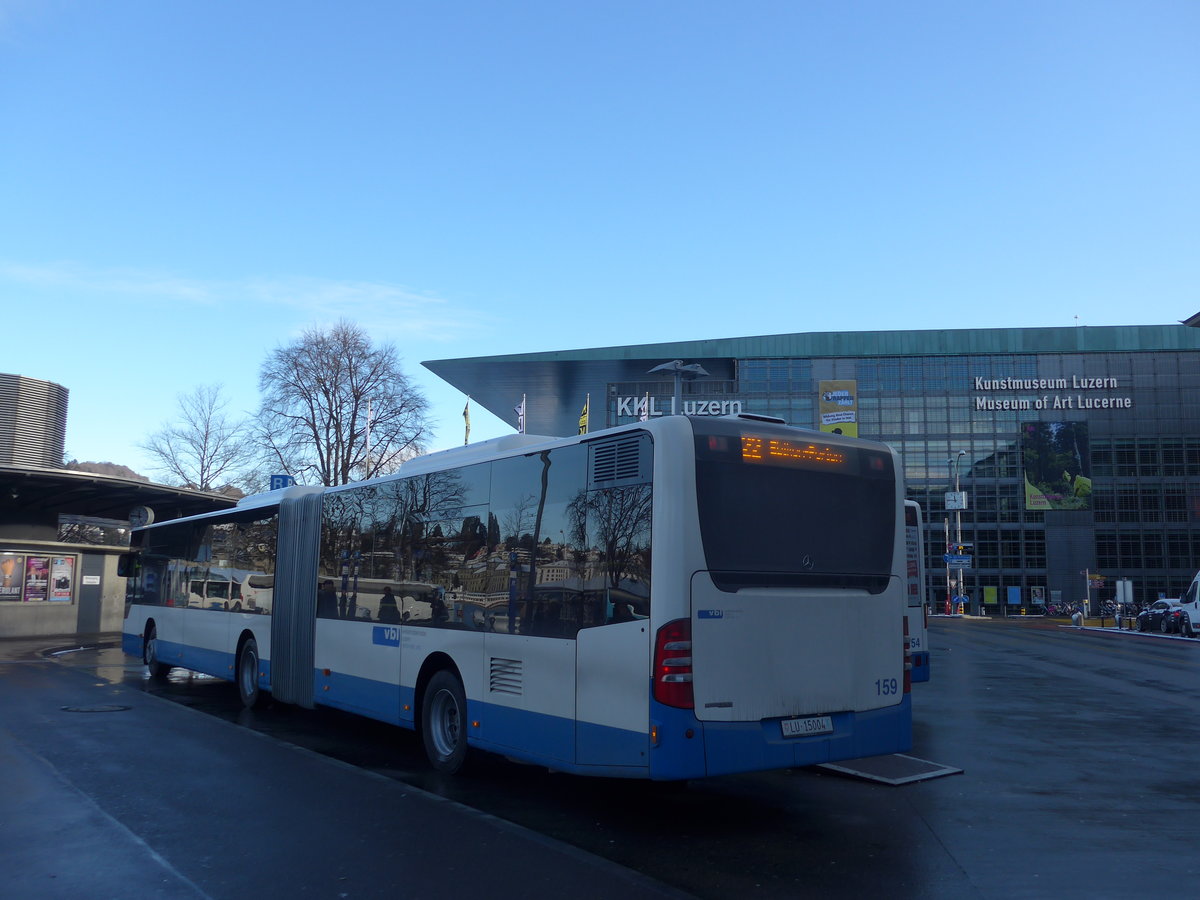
1115	493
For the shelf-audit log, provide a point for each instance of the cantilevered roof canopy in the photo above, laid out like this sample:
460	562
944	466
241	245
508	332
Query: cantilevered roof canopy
39	493
556	383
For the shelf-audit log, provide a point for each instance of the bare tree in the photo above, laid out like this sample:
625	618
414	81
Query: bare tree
338	408
203	448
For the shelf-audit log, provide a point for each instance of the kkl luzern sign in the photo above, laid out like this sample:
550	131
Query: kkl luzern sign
1051	400
636	407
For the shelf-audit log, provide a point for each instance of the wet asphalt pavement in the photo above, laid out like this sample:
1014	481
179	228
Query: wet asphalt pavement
1077	748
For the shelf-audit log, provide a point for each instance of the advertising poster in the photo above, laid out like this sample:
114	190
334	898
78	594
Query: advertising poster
1057	467
62	577
12	568
837	407
37	578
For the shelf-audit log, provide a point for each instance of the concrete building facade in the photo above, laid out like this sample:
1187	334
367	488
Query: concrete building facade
61	531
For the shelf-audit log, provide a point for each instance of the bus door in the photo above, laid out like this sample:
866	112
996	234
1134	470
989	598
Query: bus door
206	623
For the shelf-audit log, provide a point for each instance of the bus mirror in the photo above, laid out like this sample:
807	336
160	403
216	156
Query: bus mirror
126	564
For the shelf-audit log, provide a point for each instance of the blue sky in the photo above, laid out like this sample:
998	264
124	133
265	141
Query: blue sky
185	186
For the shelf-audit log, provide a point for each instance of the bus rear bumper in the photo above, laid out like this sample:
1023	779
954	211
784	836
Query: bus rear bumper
731	747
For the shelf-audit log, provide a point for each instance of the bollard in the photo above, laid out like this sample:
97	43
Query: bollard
1077	620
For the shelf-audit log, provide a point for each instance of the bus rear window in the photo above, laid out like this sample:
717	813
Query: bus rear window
782	507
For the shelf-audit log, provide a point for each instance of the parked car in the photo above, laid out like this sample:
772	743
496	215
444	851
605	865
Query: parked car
1161	615
1189	610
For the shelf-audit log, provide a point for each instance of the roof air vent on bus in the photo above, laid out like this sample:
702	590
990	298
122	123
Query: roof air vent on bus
755	417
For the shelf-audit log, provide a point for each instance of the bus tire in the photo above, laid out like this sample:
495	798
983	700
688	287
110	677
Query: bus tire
158	668
247	674
444	723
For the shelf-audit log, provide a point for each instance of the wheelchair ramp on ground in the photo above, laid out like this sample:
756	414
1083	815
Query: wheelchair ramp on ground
894	768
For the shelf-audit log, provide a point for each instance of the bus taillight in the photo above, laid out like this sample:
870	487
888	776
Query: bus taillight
673	664
907	660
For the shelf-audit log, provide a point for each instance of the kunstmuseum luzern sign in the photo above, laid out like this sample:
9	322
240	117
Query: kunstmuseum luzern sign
1051	400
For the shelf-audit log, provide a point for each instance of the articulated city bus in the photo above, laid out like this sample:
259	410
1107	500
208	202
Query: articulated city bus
916	614
671	599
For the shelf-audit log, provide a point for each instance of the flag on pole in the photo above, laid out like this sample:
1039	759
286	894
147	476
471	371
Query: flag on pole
583	416
644	412
520	411
467	421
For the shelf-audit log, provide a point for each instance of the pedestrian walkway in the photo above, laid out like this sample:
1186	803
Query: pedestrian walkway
107	792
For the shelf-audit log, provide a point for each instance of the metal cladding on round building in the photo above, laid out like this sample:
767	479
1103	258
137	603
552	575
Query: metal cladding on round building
33	421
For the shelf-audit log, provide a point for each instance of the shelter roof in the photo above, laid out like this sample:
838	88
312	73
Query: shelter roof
40	491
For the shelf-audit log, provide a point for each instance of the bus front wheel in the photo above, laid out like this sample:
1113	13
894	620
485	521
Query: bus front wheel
444	723
247	674
158	668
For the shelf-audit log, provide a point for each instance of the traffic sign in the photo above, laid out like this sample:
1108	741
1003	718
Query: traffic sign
954	561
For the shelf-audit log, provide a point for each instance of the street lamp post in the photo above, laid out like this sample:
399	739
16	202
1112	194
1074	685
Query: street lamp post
680	371
958	517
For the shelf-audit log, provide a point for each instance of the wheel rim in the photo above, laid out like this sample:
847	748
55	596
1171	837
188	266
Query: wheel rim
446	723
152	649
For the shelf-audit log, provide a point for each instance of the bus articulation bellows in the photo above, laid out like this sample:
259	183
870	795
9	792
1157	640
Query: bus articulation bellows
672	599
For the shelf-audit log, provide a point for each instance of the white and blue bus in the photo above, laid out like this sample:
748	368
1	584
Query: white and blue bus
916	614
672	599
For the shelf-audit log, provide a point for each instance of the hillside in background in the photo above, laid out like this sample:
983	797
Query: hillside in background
115	470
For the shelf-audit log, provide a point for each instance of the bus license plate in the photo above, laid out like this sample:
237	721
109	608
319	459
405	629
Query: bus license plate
811	725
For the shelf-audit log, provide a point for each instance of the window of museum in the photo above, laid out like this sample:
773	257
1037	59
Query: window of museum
1124	459
987	549
1175	503
1102	460
1035	549
1174	459
1151	504
1152	550
1193	457
1010	550
1129	549
1127	503
1009	503
1148	461
1179	550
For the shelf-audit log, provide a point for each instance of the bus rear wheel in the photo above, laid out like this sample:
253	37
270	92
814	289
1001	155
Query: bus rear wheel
444	723
158	668
247	675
